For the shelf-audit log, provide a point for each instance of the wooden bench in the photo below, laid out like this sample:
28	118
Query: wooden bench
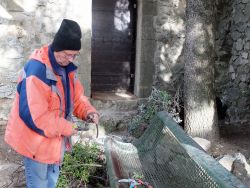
165	156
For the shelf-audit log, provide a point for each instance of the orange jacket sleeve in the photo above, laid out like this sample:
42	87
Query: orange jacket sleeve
82	106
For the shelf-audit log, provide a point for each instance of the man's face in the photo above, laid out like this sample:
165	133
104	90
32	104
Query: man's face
64	57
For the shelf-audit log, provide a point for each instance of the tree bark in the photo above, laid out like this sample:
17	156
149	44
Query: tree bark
199	98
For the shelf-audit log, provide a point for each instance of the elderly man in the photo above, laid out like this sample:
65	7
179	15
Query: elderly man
48	94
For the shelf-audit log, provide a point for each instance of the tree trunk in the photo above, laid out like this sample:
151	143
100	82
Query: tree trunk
199	98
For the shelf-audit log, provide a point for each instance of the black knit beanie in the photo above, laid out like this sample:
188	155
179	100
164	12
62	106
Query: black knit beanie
68	37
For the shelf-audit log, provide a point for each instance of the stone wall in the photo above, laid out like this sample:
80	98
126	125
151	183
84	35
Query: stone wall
233	60
170	37
26	25
232	54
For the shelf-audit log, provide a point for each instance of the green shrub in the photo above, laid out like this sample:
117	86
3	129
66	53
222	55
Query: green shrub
157	101
83	163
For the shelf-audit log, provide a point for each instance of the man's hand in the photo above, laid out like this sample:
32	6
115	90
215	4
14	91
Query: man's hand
93	118
74	131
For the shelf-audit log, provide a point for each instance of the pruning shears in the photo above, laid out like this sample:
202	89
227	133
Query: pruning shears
134	182
85	126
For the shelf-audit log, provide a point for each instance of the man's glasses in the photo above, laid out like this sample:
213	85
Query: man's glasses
70	56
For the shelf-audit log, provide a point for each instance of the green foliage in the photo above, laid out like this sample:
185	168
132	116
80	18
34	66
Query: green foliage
137	175
79	165
157	101
110	125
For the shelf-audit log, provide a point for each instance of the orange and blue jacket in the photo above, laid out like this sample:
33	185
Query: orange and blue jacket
38	125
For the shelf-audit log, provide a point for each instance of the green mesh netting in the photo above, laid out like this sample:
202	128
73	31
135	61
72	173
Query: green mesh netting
165	157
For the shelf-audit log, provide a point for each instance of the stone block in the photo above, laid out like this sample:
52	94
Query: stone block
243	77
236	35
7	91
247	33
243	86
148	70
149	8
205	144
233	93
245	1
231	69
241	26
244	55
148	50
145	91
148	30
242	101
239	44
247	46
247	9
163	37
5	106
227	162
12	6
233	76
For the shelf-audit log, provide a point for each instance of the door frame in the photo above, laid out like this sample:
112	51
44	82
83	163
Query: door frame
144	72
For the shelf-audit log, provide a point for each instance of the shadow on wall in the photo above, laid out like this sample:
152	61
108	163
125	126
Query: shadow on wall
11	51
25	26
172	46
170	36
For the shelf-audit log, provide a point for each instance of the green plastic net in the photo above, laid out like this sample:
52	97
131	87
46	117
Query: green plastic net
166	157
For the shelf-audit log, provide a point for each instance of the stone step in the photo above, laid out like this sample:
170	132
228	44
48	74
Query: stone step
116	105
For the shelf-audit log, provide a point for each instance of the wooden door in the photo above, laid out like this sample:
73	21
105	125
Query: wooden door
113	45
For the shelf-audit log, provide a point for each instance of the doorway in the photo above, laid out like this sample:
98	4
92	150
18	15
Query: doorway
113	46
